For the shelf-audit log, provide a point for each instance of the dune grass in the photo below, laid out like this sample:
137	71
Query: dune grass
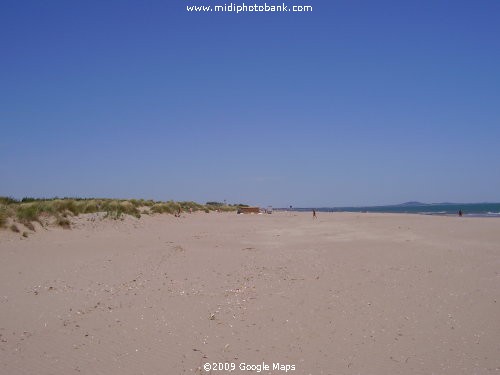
63	222
3	216
60	210
169	207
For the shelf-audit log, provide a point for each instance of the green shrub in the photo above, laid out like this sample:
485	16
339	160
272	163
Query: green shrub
214	204
28	199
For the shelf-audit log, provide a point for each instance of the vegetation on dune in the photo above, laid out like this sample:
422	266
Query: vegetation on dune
7	200
115	209
59	210
169	207
186	206
223	208
142	202
28	199
3	216
213	203
28	212
63	222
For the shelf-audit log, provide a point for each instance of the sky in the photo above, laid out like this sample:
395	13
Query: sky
353	103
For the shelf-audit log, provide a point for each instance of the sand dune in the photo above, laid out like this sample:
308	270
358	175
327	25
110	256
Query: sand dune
344	294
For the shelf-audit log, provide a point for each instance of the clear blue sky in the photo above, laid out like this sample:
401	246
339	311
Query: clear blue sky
355	103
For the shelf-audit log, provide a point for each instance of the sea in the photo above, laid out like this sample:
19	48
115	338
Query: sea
446	209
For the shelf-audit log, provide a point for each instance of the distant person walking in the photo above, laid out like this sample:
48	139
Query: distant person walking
460	213
314	214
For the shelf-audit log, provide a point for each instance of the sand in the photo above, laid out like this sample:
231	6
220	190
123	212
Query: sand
344	294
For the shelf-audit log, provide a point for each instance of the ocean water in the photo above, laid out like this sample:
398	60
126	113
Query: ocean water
468	209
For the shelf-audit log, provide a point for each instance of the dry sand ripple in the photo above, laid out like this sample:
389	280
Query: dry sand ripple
344	294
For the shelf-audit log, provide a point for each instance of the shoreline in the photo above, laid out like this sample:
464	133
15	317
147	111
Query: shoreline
446	214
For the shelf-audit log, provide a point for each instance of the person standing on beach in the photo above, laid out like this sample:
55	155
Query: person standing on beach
314	213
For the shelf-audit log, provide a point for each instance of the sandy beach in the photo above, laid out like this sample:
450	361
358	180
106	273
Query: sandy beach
346	293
